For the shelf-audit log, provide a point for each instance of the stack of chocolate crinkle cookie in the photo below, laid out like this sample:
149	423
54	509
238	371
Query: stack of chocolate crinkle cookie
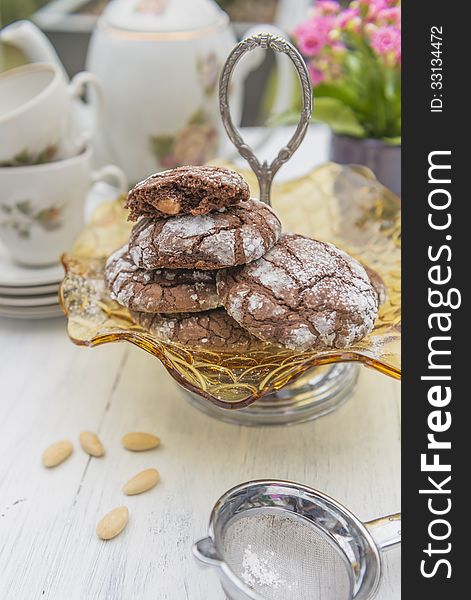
207	266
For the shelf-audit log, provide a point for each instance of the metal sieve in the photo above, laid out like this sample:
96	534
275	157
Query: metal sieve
277	540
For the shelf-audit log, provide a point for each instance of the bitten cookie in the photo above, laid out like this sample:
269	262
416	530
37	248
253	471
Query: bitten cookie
160	290
186	190
303	294
213	329
235	236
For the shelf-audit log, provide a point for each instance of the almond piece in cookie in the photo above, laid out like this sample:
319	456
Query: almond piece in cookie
186	191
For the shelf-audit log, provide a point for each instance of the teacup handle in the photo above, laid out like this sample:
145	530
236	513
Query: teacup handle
77	88
113	175
264	171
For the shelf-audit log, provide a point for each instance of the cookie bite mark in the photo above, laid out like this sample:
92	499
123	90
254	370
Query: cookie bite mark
186	191
235	236
303	294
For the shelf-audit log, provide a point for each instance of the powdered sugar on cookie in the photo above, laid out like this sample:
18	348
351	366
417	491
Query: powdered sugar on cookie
303	294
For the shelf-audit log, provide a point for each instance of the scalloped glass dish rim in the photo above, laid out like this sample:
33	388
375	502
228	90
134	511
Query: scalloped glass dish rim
148	343
284	371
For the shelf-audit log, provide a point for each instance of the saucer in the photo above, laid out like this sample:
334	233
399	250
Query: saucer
35	290
28	292
29	301
17	276
40	312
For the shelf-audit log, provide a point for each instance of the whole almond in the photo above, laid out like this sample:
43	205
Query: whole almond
90	442
56	453
112	523
140	441
143	481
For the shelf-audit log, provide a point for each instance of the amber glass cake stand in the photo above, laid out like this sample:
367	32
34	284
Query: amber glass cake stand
345	206
265	385
315	394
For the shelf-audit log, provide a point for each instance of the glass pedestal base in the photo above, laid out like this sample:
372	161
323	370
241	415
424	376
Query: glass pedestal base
320	391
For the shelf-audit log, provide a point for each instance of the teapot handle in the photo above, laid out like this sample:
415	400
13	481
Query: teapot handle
264	171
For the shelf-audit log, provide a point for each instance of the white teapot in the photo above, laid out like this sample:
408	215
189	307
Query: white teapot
159	63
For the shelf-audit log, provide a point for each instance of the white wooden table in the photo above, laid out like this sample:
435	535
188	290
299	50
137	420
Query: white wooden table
50	390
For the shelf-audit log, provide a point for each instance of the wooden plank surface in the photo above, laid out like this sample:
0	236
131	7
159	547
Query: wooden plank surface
50	390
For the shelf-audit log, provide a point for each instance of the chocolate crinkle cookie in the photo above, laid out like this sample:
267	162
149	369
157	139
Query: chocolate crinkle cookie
238	235
185	191
212	330
302	295
160	290
378	284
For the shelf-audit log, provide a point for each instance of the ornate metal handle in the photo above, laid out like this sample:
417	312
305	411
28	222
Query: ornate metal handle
264	171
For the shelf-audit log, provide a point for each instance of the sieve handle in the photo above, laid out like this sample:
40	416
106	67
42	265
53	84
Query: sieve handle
386	531
264	171
205	551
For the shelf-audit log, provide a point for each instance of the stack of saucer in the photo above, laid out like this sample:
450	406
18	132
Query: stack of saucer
27	292
46	172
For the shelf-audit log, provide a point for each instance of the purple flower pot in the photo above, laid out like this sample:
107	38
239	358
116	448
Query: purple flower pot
383	159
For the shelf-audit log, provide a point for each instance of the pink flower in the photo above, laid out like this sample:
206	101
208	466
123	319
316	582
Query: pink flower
390	16
386	41
310	43
316	75
327	7
313	35
346	18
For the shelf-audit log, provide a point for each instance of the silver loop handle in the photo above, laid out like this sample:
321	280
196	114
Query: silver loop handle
264	171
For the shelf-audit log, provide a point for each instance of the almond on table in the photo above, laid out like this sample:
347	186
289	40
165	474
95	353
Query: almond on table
142	482
56	453
139	441
91	443
113	523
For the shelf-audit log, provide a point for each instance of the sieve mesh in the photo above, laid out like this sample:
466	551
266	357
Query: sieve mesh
281	556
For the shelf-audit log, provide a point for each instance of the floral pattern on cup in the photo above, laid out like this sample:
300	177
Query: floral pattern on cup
194	144
22	217
27	158
208	68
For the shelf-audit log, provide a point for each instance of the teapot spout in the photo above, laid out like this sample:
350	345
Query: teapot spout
28	38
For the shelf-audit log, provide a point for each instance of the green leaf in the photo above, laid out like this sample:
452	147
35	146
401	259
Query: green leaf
340	91
198	118
338	116
22	158
24	207
162	145
288	117
392	141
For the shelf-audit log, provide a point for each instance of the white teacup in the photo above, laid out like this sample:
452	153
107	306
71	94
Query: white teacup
36	105
42	206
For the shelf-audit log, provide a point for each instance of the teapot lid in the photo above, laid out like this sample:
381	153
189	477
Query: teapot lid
163	15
